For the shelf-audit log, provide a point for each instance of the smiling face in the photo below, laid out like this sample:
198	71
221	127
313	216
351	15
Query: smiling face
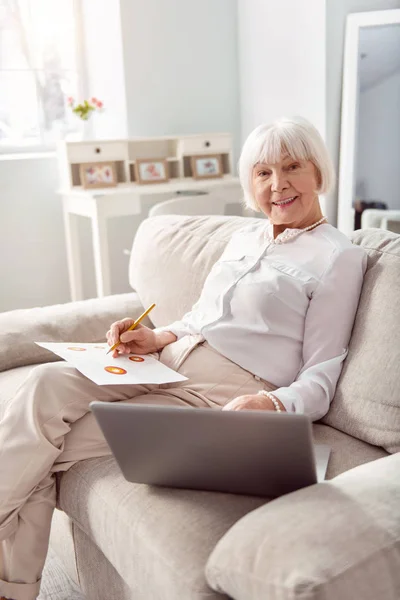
286	192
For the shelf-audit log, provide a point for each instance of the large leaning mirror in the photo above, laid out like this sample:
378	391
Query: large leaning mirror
369	173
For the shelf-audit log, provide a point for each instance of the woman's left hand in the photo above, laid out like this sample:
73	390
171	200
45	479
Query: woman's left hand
251	402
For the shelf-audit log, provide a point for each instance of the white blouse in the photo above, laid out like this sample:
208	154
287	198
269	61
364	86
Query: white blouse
283	309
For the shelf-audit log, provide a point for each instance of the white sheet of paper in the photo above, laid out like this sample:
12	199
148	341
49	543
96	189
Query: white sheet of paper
322	453
103	369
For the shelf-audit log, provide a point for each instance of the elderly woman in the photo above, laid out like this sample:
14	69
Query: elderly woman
270	331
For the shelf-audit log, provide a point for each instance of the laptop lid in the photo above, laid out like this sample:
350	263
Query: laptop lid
253	452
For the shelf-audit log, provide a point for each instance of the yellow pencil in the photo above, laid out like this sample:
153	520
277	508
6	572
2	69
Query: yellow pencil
142	316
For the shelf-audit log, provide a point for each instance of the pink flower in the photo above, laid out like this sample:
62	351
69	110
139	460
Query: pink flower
70	100
94	100
99	104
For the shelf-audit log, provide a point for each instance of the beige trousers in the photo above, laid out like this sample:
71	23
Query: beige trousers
47	427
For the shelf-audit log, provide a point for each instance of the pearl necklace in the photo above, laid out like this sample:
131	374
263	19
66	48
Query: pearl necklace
290	233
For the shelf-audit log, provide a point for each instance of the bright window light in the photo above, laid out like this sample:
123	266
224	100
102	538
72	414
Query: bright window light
40	66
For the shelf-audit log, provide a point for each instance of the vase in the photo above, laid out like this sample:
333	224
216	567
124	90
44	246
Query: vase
87	130
82	133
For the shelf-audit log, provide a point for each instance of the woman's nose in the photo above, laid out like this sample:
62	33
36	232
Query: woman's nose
279	182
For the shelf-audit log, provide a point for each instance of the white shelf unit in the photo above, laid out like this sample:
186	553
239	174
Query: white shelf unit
177	150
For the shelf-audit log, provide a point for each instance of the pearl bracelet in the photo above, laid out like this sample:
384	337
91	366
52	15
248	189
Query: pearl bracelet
271	397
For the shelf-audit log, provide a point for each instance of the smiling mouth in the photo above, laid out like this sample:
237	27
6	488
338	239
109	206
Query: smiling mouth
285	202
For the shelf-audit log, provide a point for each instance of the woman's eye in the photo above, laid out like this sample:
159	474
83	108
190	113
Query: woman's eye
294	166
263	173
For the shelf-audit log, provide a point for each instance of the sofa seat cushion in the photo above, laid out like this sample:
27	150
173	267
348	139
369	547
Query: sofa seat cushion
347	452
156	538
367	400
62	543
337	540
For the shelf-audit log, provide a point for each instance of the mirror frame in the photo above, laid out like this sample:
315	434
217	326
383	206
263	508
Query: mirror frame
350	101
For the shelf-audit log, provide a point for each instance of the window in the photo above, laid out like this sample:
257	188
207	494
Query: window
40	67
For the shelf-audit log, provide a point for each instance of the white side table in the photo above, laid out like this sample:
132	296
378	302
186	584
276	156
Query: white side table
126	199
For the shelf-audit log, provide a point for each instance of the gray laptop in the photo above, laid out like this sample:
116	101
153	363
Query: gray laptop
251	452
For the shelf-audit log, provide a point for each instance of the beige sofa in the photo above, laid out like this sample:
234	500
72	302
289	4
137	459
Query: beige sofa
337	540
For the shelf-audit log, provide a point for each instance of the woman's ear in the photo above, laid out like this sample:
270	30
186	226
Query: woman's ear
318	177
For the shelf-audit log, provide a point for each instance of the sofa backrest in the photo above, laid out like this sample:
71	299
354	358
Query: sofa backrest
367	399
172	255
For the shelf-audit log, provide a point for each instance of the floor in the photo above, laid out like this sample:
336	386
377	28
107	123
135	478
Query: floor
56	585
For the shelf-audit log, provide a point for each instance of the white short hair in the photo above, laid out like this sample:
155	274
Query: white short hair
294	136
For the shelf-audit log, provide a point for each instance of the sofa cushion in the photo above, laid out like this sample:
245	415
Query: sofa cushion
347	452
186	248
84	321
62	543
338	540
367	399
98	579
150	534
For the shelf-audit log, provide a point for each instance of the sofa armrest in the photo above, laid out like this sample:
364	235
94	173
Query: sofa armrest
83	321
337	539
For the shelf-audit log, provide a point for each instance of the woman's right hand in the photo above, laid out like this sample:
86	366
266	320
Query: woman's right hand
141	340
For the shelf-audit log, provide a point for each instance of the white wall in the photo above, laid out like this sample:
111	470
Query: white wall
281	61
181	65
379	142
33	262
